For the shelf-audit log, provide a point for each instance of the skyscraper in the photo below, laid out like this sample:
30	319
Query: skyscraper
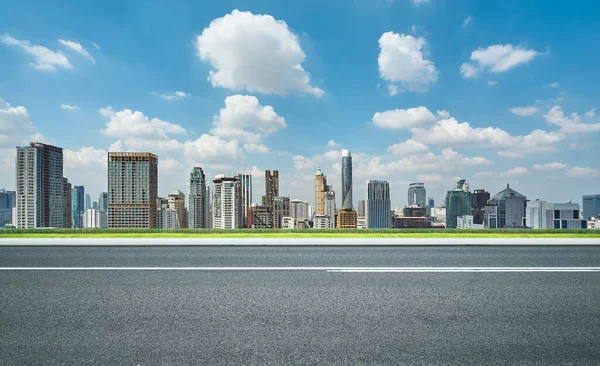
378	205
67	195
281	209
330	207
246	186
271	188
320	187
77	206
346	180
40	186
177	202
7	202
430	203
197	200
103	201
591	206
361	208
458	203
227	203
417	194
88	201
479	199
132	189
299	209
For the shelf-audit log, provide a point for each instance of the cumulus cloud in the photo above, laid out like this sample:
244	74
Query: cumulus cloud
127	123
169	165
569	124
254	52
407	147
176	95
550	166
492	82
15	124
429	178
582	172
403	62
332	144
44	58
591	113
85	157
497	58
78	48
553	85
466	22
523	111
257	148
243	113
404	118
68	107
516	172
419	2
208	148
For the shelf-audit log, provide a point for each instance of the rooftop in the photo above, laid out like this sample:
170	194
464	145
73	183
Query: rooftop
507	192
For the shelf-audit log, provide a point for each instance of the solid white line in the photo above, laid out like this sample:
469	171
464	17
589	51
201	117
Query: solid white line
328	269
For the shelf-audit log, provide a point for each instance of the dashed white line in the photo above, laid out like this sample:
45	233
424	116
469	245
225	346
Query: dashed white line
328	269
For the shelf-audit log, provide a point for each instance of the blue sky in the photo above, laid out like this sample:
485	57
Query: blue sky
417	90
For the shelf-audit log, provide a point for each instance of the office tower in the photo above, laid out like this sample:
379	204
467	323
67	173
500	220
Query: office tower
479	199
591	206
177	202
378	205
458	203
505	209
271	187
416	194
361	208
95	205
40	186
346	219
88	201
545	215
299	209
346	180
330	207
67	194
132	189
260	217
430	203
197	200
320	187
167	218
77	206
103	202
227	202
281	209
246	183
7	203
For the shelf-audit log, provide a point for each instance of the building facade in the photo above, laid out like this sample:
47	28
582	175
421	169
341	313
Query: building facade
545	215
330	207
132	189
346	219
320	189
414	211
7	203
177	202
346	180
88	201
287	222
591	206
93	218
246	187
226	203
360	211
260	217
458	203
417	194
281	209
103	201
505	209
322	222
77	206
271	187
299	209
378	205
197	200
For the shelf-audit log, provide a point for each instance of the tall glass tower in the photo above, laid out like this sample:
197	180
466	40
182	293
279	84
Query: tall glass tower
417	194
378	205
197	200
346	180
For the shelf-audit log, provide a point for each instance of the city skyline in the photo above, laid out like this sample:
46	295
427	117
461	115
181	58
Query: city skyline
479	100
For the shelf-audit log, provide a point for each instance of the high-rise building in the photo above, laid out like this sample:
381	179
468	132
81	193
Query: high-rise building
591	206
378	205
281	209
167	218
40	186
271	187
361	208
67	194
103	201
227	203
132	189
260	217
346	179
299	209
479	199
416	194
320	188
505	209
197	200
346	219
177	202
246	186
330	207
93	218
7	203
88	201
95	205
458	203
545	215
77	206
430	203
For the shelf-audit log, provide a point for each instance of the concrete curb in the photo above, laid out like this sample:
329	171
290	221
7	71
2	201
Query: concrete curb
66	242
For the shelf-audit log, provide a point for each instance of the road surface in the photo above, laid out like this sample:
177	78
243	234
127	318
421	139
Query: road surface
308	305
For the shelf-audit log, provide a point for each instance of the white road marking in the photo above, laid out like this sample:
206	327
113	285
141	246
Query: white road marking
328	269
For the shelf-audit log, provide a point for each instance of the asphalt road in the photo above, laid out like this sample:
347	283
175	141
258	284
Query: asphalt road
290	316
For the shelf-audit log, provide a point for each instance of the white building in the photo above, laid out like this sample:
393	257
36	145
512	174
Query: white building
287	222
545	215
330	207
438	214
93	218
322	222
361	222
167	218
466	222
227	203
594	223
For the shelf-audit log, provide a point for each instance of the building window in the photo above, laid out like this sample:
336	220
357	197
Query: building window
576	214
564	224
557	224
557	214
584	224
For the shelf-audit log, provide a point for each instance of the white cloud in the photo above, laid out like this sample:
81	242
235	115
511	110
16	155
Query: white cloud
44	58
208	148
407	147
84	158
466	22
523	111
403	60
550	166
419	2
483	175
332	144
497	58
96	45
591	113
492	82
569	125
429	178
257	148
244	112
126	123
68	107
582	172
169	165
77	47
176	95
516	172
303	163
404	118
553	85
254	52
443	114
15	124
